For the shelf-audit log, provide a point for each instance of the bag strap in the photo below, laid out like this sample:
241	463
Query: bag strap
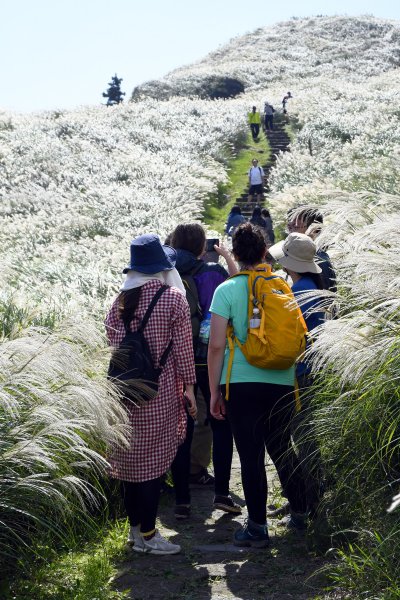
192	273
146	317
151	306
195	269
164	355
231	344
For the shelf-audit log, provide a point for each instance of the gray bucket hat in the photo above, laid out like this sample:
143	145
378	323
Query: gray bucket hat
296	253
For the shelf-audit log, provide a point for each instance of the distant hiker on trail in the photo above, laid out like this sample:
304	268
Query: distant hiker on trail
254	120
261	401
256	218
256	180
270	226
285	101
201	280
235	218
269	116
159	424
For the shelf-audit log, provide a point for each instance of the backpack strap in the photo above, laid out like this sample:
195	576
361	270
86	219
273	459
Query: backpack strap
164	355
192	273
196	268
151	306
231	345
231	339
146	317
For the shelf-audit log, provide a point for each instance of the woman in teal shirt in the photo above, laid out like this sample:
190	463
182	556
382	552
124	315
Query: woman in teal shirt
261	401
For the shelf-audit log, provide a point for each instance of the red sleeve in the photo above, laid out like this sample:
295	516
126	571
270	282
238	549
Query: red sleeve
113	324
183	342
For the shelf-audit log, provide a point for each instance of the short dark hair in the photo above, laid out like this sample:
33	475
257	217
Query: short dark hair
248	244
190	237
307	215
265	213
236	210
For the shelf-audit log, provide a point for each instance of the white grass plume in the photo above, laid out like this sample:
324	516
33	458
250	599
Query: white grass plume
56	419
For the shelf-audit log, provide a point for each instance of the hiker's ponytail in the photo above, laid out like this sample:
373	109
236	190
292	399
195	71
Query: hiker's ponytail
127	305
248	244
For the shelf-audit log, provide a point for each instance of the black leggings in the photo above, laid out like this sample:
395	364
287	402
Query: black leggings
307	449
221	453
260	415
180	468
141	502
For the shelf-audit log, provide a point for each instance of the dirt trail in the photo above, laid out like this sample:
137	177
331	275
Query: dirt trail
210	567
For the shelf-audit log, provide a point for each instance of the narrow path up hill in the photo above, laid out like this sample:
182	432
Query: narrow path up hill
279	141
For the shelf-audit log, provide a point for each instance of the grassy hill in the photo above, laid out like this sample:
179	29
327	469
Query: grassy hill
76	186
292	53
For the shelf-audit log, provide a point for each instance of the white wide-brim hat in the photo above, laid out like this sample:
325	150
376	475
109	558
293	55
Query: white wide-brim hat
297	253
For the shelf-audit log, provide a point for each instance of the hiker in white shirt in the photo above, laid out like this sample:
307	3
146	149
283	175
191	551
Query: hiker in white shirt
269	115
256	180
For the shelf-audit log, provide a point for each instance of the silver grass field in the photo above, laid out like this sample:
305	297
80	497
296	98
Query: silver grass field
76	186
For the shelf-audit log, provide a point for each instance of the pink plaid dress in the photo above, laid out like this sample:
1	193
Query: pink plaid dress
159	426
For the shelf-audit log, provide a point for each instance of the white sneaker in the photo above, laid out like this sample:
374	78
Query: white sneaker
156	545
134	537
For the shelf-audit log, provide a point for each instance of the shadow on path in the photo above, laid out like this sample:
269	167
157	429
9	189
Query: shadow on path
210	567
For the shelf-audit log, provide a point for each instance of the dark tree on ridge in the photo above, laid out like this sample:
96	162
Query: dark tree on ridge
114	93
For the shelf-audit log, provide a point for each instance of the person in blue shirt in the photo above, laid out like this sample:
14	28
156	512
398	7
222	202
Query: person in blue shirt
297	255
309	220
235	218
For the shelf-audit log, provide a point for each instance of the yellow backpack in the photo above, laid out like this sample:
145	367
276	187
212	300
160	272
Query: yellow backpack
281	337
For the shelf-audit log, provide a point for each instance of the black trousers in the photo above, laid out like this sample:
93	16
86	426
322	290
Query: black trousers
307	449
222	450
255	129
141	502
260	415
180	468
269	121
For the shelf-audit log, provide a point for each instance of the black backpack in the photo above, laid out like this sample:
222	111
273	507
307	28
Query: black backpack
196	314
132	359
192	296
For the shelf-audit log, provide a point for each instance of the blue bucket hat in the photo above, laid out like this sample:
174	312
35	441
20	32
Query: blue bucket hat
149	256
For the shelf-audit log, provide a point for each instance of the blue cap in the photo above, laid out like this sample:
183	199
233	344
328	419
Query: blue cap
148	255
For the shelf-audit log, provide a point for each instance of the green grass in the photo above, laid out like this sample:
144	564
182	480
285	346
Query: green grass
78	574
216	209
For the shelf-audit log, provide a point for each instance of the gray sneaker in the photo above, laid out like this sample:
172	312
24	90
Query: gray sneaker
279	512
134	537
157	545
294	521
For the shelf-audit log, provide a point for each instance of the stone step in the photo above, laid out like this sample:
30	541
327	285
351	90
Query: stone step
279	142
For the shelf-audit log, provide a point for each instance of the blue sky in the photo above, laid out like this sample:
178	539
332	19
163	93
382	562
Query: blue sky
62	53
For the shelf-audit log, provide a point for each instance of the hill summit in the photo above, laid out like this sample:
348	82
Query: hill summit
288	52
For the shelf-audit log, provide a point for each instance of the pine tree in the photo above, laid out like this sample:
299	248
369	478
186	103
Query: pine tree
114	93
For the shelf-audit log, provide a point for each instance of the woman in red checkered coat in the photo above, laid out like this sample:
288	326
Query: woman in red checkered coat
159	426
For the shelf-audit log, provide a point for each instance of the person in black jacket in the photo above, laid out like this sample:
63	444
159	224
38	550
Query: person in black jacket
189	241
256	218
309	220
